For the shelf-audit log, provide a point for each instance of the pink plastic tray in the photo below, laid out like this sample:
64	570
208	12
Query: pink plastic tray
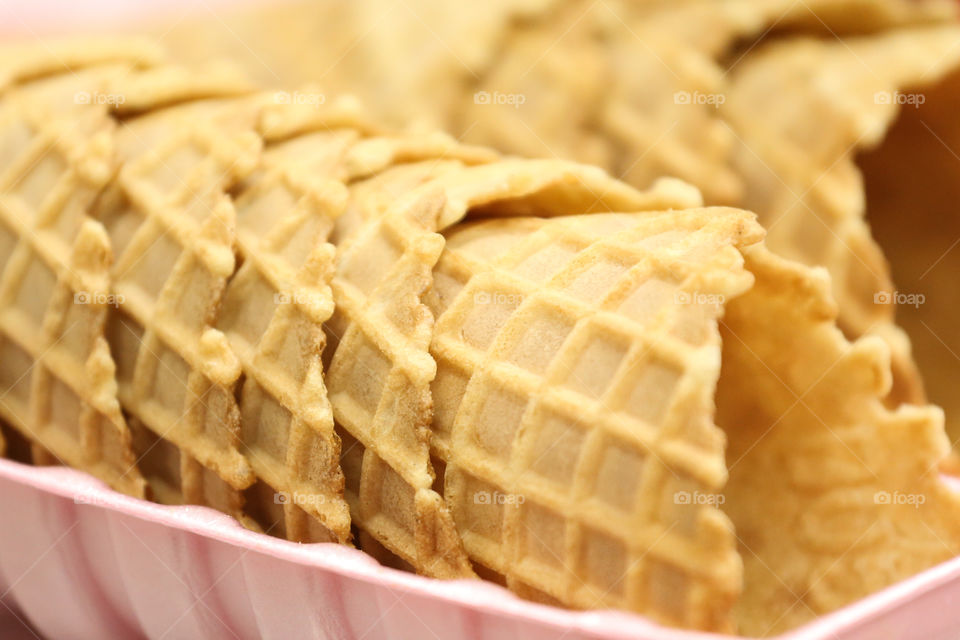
78	560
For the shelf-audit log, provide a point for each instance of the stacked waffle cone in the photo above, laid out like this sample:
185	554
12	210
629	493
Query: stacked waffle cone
469	365
761	104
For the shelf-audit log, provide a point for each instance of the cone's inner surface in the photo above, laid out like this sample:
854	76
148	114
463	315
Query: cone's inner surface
757	496
912	183
809	457
778	459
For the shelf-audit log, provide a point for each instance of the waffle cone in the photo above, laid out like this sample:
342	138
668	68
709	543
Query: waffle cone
573	406
653	89
273	312
828	488
806	188
380	371
471	362
172	228
58	386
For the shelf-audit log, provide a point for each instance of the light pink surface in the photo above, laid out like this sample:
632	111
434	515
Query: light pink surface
44	17
80	561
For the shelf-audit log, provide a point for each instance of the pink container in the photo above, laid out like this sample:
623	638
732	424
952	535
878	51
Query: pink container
78	560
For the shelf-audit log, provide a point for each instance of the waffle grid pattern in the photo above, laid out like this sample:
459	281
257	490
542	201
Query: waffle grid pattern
339	145
273	312
54	293
172	226
382	403
387	246
571	523
379	381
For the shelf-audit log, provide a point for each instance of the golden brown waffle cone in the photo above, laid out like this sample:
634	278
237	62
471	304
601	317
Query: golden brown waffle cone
327	147
609	85
58	380
28	61
585	74
82	78
833	496
379	380
273	313
172	227
798	159
58	377
397	193
380	369
573	406
822	517
631	86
